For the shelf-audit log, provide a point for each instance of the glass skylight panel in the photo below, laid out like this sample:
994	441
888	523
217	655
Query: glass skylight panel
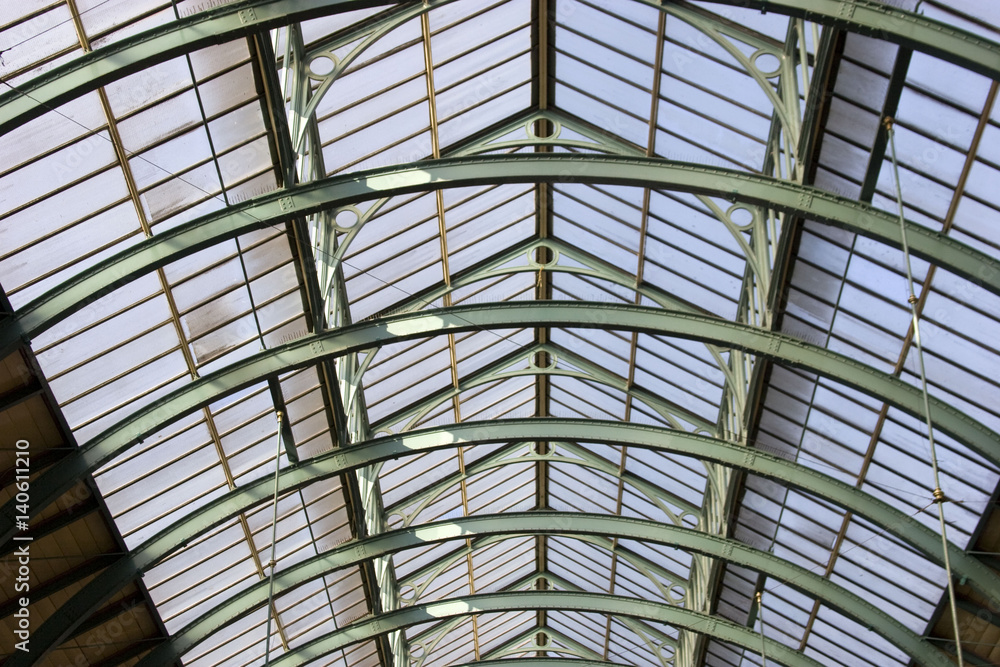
679	476
838	638
37	42
509	400
500	565
585	629
678	372
319	29
495	630
582	564
576	488
628	646
479	226
591	400
451	581
600	346
510	488
571	287
476	86
424	369
404	477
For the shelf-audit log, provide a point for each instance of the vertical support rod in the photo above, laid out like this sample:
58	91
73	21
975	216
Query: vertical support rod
760	615
274	538
938	494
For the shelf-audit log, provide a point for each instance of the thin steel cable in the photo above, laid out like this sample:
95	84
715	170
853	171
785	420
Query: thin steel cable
938	494
274	539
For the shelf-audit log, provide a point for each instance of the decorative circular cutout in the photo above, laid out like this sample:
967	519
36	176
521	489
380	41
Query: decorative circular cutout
535	255
741	216
766	63
346	218
552	360
322	66
407	592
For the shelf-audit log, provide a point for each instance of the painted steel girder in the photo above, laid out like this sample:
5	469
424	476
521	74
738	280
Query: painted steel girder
540	662
312	349
283	205
217	25
315	348
547	523
600	603
335	462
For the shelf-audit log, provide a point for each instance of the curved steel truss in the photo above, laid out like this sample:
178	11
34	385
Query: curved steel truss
550	152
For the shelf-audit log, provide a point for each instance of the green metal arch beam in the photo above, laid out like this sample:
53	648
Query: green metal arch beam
221	24
335	462
547	523
312	349
542	662
280	206
601	603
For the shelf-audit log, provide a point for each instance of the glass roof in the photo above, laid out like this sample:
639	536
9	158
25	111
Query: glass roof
245	199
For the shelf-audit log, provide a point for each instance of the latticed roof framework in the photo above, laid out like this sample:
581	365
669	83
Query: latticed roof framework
577	332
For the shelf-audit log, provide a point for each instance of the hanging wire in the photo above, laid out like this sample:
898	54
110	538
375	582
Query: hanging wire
938	494
760	615
274	536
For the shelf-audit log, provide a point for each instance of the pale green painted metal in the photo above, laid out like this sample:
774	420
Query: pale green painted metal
221	24
718	628
543	662
428	642
279	207
675	508
333	463
547	523
884	21
422	577
312	349
521	364
499	140
527	642
654	638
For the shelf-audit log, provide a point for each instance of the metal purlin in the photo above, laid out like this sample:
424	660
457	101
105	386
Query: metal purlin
938	495
272	562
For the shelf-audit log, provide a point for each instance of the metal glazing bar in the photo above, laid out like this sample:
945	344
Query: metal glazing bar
306	199
336	462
